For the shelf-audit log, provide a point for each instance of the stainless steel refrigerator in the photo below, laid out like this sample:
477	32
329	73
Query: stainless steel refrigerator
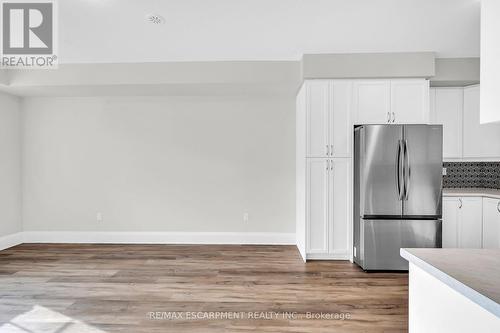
397	192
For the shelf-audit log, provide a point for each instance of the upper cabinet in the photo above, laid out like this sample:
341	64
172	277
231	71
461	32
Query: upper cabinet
464	137
332	106
372	102
410	101
446	109
398	101
341	126
317	118
328	118
480	140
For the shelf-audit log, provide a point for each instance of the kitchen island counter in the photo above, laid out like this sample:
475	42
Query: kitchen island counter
454	290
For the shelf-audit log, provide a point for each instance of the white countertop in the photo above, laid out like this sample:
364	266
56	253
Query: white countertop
471	192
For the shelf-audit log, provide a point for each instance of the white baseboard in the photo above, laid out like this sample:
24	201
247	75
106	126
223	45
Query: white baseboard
332	256
10	240
140	237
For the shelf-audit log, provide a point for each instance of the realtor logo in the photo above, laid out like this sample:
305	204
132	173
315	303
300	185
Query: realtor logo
28	31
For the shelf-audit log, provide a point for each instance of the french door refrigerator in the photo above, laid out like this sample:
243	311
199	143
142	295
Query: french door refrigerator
397	192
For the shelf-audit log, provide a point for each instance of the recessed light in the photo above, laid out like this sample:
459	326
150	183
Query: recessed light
155	19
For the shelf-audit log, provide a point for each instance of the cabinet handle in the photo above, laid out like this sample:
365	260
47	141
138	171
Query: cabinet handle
327	150
498	206
327	165
331	169
460	206
331	150
388	117
393	117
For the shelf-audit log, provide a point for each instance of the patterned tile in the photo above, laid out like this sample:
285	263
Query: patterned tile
472	174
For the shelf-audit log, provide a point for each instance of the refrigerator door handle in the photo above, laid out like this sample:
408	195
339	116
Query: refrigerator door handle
406	170
399	169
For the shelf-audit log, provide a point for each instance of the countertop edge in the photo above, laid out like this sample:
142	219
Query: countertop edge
481	195
468	193
476	297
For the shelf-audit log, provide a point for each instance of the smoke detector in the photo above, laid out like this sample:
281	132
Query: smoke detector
155	19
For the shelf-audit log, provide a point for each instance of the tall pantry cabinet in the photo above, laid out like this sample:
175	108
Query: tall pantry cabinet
323	167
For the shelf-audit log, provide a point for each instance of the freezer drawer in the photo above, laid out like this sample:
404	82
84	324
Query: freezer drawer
381	240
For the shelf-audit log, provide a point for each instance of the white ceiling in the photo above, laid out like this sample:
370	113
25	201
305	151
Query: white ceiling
218	30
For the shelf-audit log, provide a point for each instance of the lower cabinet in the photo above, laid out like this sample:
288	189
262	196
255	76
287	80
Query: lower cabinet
462	222
491	223
327	211
451	217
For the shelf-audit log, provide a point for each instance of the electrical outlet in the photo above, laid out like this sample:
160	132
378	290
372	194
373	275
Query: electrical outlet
444	171
98	217
245	216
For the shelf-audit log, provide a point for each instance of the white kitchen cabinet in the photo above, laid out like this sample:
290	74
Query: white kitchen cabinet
410	101
398	101
462	222
470	224
491	223
340	211
326	112
328	118
317	193
432	105
317	117
372	101
464	137
323	154
341	122
446	110
451	217
480	140
327	208
300	171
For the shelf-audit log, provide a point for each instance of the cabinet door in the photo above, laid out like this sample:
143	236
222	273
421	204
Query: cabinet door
470	224
410	101
340	118
317	108
317	181
491	223
432	106
340	203
448	112
480	140
450	221
372	101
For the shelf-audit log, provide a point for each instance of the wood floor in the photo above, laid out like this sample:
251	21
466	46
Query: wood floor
116	288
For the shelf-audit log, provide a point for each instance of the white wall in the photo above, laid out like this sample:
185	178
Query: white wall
158	164
10	165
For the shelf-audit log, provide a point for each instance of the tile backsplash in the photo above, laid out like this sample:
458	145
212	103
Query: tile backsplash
472	174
